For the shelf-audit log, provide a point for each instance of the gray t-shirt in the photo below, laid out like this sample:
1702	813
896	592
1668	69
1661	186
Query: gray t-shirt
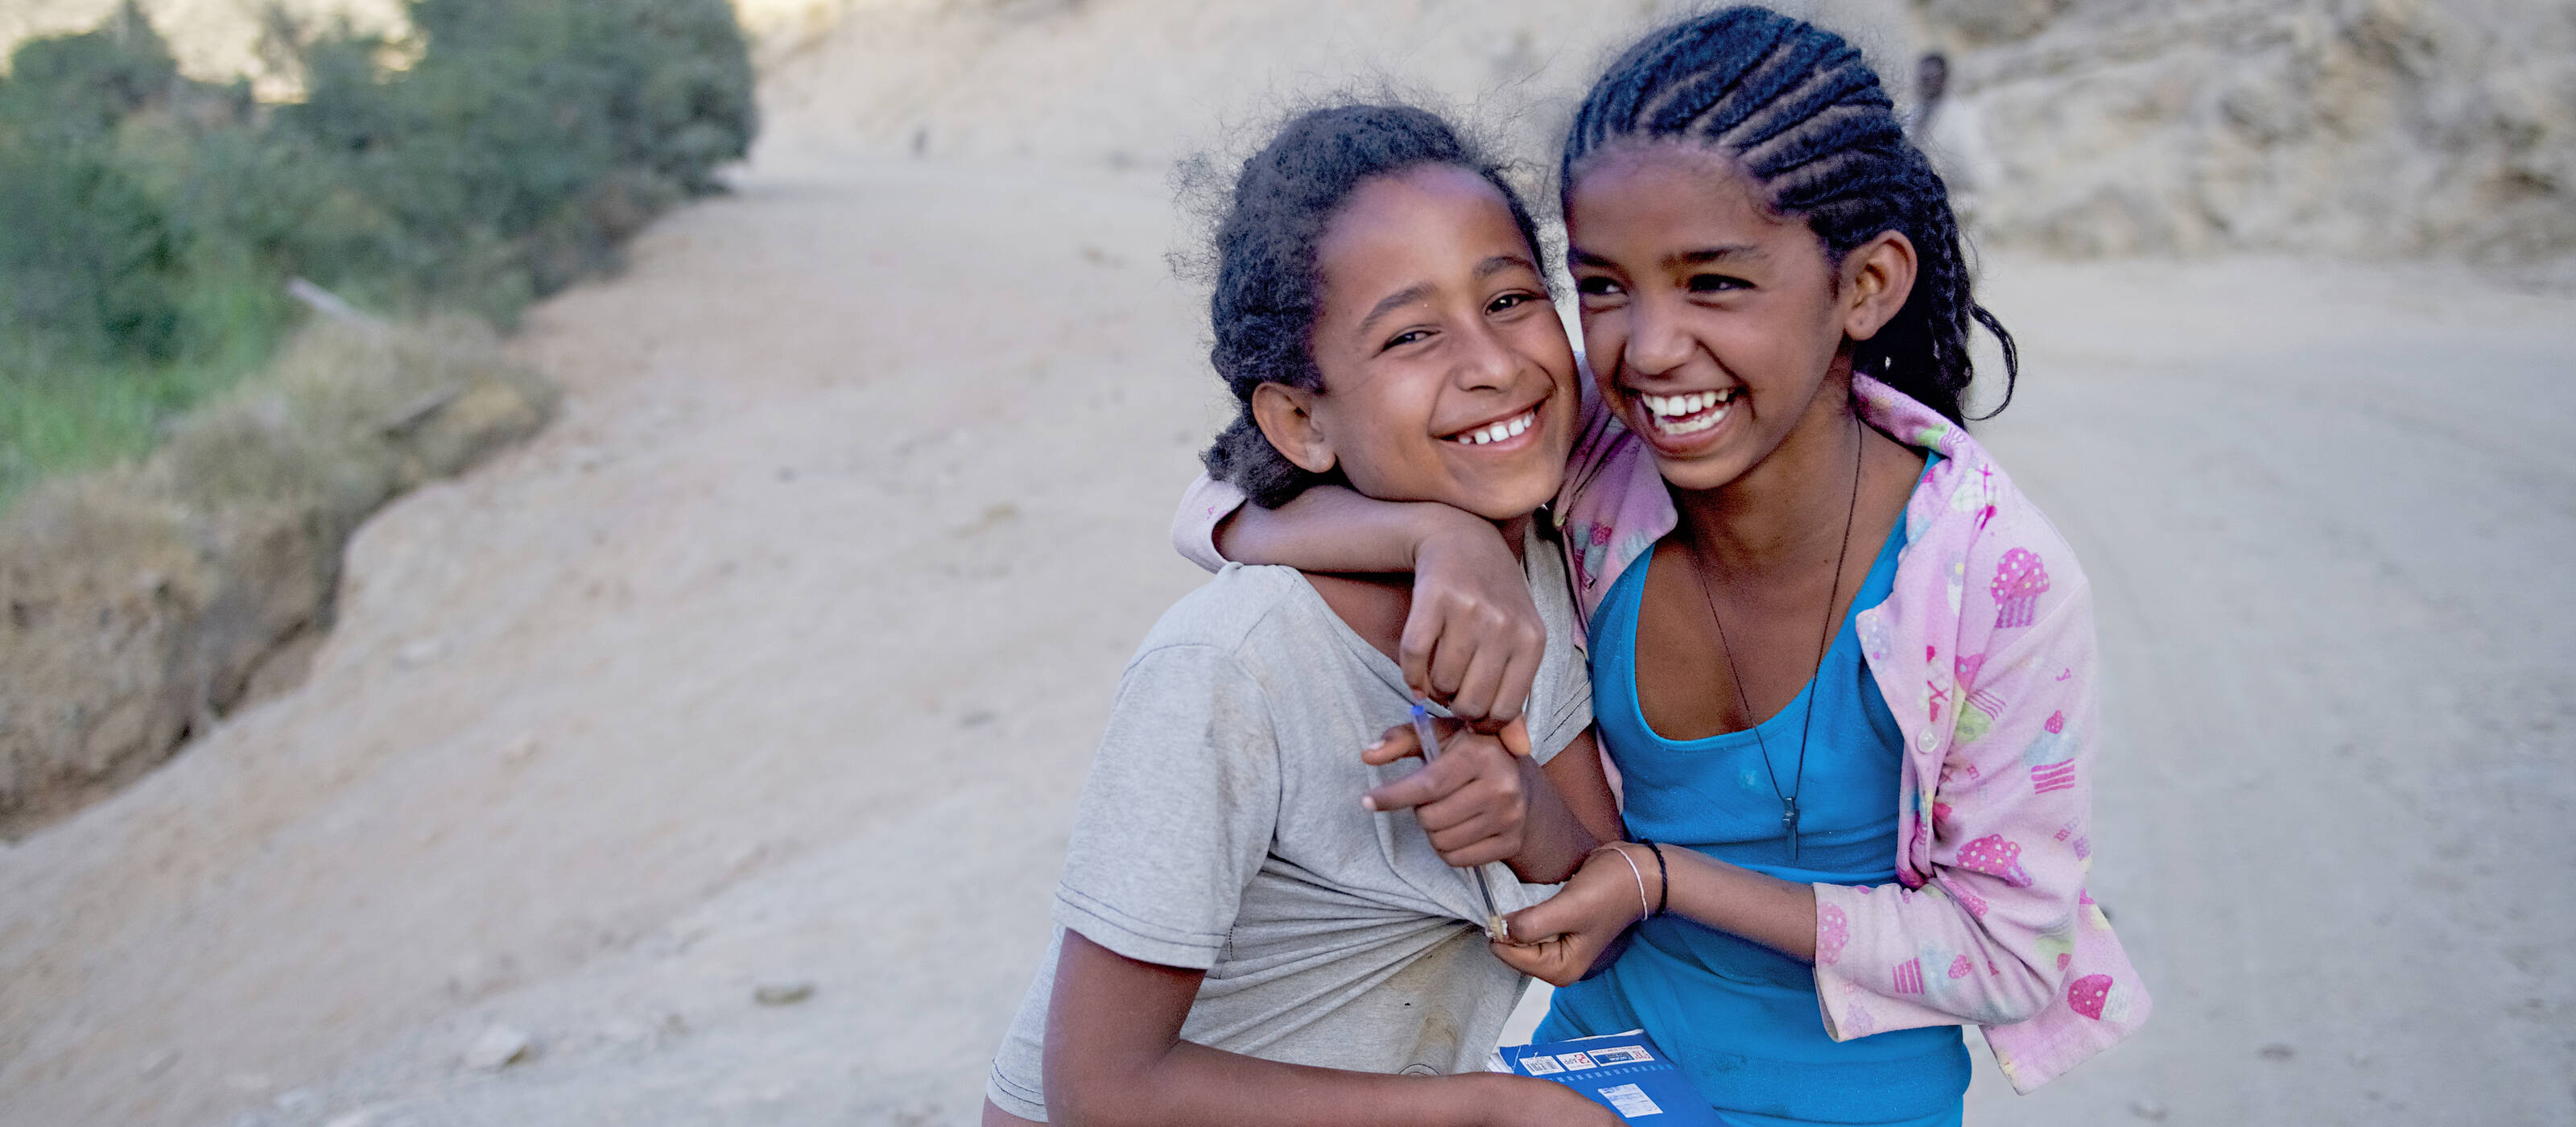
1221	829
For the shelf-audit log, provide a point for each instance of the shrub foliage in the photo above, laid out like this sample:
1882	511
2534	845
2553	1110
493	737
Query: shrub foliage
495	153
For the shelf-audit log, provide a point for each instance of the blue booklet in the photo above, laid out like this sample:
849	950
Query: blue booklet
1624	1072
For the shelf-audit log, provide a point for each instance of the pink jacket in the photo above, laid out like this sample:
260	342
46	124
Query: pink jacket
1992	683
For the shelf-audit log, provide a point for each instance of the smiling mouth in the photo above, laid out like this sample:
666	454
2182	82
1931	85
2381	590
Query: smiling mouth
1689	412
1499	431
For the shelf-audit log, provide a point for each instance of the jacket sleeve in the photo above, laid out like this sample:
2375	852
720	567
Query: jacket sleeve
1204	505
1989	937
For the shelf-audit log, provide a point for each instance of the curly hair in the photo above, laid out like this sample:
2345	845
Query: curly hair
1267	280
1804	116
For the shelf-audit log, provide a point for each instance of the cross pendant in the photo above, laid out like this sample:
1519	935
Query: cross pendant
1789	824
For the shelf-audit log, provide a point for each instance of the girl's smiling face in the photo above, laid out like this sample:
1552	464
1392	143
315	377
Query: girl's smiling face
1447	376
1713	325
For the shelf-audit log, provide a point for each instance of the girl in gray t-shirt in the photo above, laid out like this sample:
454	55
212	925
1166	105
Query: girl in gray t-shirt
1244	937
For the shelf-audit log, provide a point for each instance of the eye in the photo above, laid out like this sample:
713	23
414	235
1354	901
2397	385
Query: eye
1717	283
1510	301
1596	286
1405	338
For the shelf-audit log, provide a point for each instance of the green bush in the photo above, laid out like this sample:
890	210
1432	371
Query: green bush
501	150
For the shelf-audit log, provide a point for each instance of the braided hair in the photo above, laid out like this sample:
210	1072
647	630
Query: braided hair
1805	118
1268	282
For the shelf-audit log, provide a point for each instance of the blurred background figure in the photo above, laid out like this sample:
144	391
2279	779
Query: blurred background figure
562	560
1951	133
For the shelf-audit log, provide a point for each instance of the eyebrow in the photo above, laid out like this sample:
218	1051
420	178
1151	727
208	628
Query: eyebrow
1706	255
1394	301
1419	290
1700	257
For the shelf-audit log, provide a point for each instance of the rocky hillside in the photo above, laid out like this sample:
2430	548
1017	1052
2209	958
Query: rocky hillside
2360	127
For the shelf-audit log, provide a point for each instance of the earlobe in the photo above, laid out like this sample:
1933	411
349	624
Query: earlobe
1287	418
1879	277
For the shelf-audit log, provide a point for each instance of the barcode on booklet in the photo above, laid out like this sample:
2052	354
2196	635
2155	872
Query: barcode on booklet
1630	1101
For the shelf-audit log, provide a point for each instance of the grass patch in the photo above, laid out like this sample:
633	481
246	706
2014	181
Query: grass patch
500	151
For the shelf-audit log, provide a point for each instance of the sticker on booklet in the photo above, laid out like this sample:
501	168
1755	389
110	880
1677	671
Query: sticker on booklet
1624	1072
1630	1101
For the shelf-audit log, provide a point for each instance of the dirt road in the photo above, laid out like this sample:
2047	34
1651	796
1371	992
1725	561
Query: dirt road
778	660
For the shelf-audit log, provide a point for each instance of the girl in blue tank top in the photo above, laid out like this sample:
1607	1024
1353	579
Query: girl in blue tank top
1738	1017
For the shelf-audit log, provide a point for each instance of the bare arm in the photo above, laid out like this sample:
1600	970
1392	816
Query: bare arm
1114	1057
1561	938
1473	638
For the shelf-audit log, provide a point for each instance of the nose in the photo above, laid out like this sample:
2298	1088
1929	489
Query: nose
1488	362
1656	343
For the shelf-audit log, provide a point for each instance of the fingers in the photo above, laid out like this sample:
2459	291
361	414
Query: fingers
1515	737
1519	673
1480	687
1398	742
1551	961
1422	635
1472	801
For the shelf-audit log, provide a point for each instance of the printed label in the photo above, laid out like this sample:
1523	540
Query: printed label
1541	1066
1630	1101
1621	1054
1576	1061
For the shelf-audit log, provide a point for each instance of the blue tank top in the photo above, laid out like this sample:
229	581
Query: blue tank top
1739	1018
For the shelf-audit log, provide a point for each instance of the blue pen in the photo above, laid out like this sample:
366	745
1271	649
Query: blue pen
1494	928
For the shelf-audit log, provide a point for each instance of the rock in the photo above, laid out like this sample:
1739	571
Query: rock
422	652
2276	1051
2196	126
782	993
2148	1110
158	1063
623	1032
500	1047
481	976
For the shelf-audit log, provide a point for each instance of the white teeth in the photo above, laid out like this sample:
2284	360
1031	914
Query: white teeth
1678	406
1508	428
1692	426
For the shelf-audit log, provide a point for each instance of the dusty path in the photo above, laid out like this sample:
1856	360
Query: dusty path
779	658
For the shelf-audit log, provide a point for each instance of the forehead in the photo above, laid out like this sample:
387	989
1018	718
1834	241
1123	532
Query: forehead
1669	191
1415	226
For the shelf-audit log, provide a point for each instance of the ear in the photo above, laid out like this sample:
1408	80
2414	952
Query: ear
1878	276
1286	416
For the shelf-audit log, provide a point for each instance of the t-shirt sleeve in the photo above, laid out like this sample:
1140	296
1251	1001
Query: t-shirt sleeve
1178	813
1204	505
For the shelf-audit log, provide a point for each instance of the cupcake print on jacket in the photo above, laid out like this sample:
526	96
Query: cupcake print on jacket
2020	580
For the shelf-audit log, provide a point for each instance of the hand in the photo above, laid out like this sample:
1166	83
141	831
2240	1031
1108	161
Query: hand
1473	639
1559	939
1520	1101
1473	801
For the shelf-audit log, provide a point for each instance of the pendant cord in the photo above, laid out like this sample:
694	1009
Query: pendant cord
1824	638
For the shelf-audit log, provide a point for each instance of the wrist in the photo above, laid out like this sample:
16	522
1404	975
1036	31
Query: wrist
1440	531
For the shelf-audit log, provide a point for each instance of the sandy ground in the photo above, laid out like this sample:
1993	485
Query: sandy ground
778	660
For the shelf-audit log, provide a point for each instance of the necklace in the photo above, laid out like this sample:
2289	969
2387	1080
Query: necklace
1824	637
